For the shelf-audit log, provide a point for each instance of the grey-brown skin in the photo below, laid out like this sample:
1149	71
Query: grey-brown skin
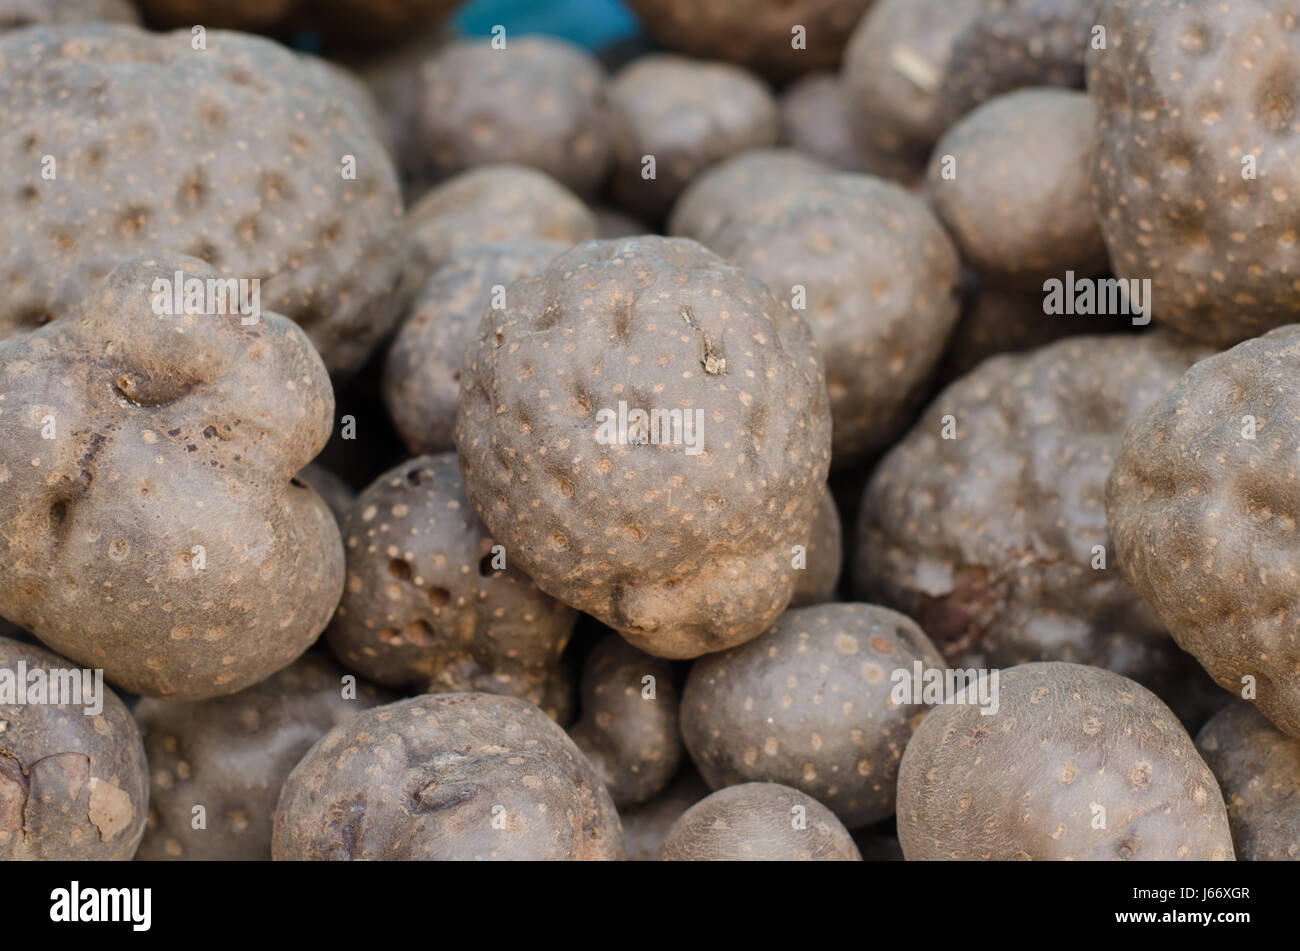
487	204
137	126
1195	179
683	545
894	69
540	101
74	784
880	282
393	78
363	98
430	604
1011	181
421	380
913	67
645	826
759	34
687	114
811	704
758	822
730	188
1201	502
993	539
161	534
815	120
231	755
338	23
464	776
1258	768
1078	763
20	13
331	487
628	724
823	556
1016	44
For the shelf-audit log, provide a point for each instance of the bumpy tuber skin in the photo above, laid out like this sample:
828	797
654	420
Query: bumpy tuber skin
1196	182
234	154
732	187
1078	763
540	101
393	80
756	33
686	114
758	822
809	705
646	825
467	776
815	120
73	786
1018	44
363	98
429	603
987	522
421	382
1020	230
680	538
19	13
875	275
1202	502
337	22
331	487
913	67
628	727
491	203
895	65
824	554
1258	768
231	755
153	525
